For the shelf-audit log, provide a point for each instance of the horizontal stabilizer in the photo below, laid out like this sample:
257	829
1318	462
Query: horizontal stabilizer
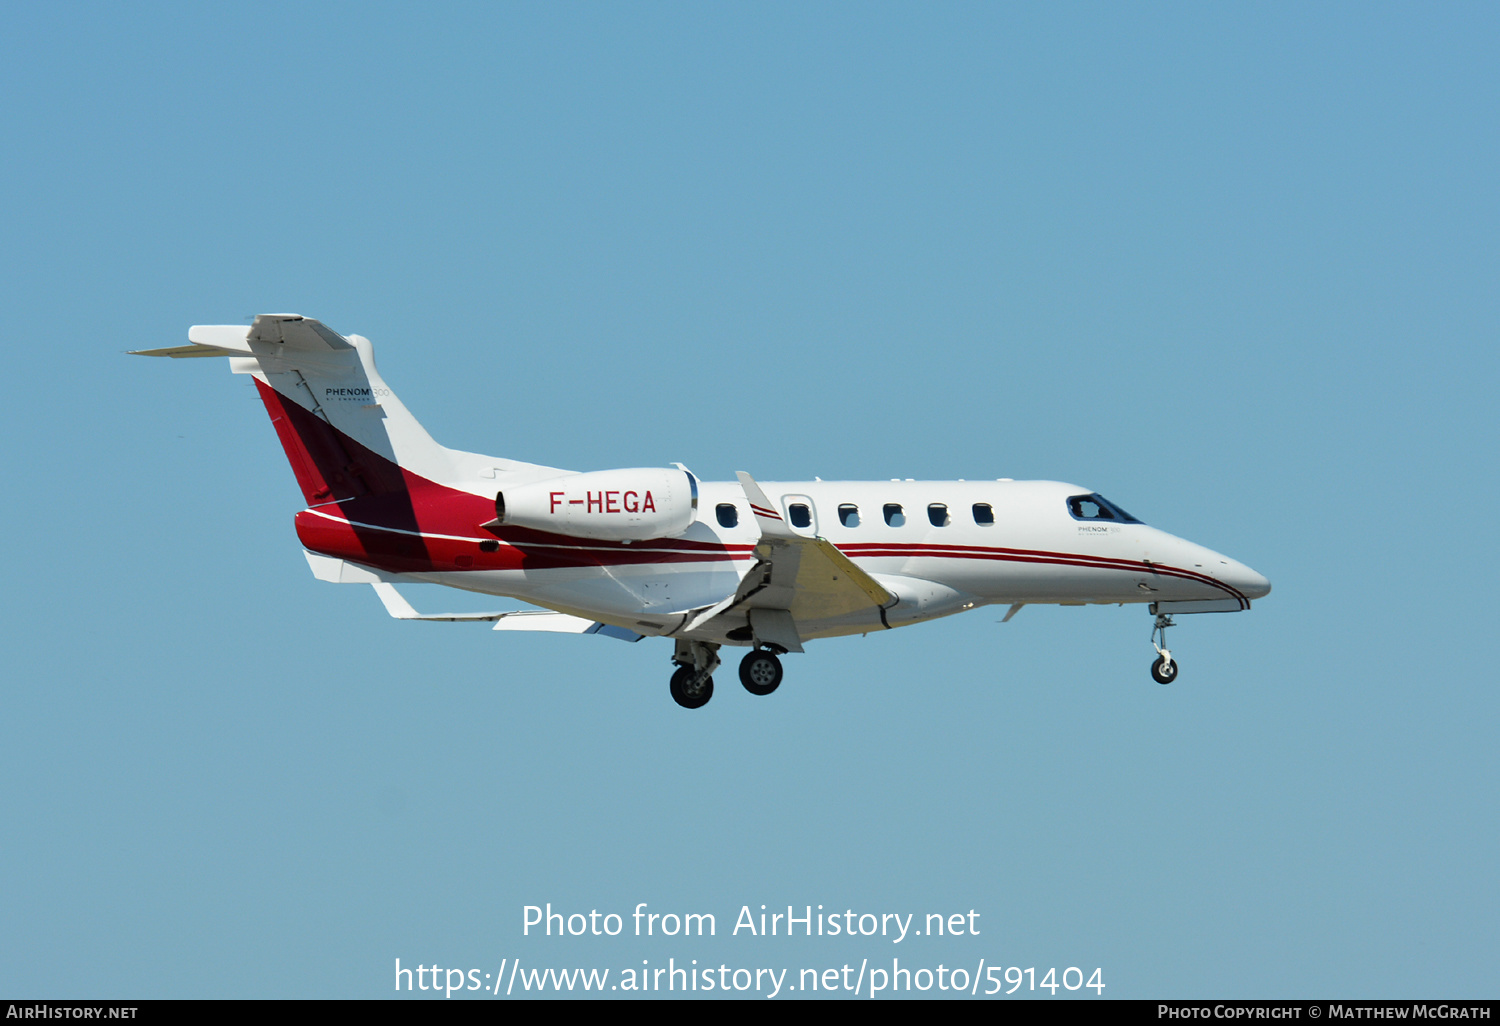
208	340
283	331
179	352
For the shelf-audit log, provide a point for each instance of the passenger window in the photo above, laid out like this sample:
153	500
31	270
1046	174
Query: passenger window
937	514
728	514
984	514
849	515
801	516
893	515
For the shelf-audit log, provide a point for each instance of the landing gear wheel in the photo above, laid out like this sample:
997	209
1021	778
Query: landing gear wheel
687	696
1164	670
760	672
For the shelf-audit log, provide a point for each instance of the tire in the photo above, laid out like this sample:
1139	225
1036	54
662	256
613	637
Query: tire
686	699
1163	672
760	672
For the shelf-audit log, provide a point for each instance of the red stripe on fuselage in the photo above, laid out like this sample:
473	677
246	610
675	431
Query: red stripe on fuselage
875	549
520	548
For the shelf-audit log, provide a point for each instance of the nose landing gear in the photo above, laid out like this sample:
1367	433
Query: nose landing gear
1164	670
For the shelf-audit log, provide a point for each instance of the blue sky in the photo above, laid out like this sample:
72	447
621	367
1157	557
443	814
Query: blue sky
1233	266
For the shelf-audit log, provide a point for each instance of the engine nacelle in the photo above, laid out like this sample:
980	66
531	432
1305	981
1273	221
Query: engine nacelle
615	505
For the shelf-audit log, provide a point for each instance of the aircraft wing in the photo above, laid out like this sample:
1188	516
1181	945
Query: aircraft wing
338	571
794	578
518	620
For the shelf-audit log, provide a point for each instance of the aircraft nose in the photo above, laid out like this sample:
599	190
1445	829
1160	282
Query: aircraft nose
1244	580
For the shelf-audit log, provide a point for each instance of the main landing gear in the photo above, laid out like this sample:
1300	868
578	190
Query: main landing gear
693	682
691	689
760	672
1164	670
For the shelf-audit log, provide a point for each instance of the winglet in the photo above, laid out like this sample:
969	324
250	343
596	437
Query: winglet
770	522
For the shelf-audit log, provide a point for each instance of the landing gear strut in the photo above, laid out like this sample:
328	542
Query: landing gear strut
760	672
1164	670
693	682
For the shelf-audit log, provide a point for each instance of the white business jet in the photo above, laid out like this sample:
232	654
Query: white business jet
654	552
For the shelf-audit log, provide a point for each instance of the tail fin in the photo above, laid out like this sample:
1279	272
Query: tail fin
344	431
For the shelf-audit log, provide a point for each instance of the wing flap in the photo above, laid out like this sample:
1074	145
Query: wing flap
829	583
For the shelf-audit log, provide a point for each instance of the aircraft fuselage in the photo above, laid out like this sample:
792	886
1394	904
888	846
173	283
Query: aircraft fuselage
940	547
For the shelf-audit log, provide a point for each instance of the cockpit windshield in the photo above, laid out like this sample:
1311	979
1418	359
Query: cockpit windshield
1097	507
